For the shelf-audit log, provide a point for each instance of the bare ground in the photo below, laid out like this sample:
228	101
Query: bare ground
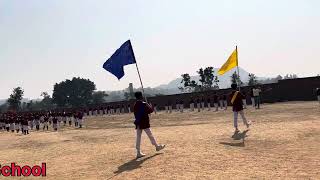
283	143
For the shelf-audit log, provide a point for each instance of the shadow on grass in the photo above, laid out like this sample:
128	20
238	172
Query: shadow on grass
238	144
133	164
238	136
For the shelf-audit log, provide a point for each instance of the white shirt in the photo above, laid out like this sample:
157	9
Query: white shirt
256	92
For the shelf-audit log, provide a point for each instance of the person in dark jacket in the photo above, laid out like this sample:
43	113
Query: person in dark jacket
142	122
237	107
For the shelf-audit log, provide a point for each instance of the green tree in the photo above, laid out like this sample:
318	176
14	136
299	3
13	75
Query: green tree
47	102
98	97
207	79
15	99
73	93
188	85
235	79
252	80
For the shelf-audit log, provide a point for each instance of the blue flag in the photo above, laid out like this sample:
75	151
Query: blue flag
123	56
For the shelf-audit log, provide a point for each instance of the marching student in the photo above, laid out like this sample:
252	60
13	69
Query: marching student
80	118
75	119
177	105
45	121
55	122
18	123
225	102
37	121
2	124
221	101
12	122
216	101
25	123
202	103
118	109
7	122
252	98
155	108
170	106
198	104
237	108
209	103
129	108
181	105
318	94
256	94
167	107
244	100
142	122
123	109
191	104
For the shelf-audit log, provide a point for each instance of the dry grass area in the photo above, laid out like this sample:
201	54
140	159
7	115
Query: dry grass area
283	143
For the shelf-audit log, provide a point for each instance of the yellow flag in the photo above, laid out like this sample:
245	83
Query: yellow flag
231	63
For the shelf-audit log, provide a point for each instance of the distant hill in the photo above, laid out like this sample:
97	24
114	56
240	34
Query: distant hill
224	80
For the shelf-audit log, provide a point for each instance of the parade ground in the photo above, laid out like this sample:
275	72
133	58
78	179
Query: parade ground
283	143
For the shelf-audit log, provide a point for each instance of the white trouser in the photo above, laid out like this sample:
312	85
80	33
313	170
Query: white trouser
202	106
12	126
177	107
225	103
155	110
167	108
118	111
216	105
138	139
55	126
90	113
198	107
209	106
192	106
181	107
129	109
319	99
221	104
252	102
170	109
235	118
244	101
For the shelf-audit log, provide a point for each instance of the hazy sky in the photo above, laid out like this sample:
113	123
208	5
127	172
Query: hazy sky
47	41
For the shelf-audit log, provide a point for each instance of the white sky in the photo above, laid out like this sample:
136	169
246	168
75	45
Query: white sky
45	42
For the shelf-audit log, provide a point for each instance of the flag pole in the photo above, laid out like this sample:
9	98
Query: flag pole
238	81
139	74
141	81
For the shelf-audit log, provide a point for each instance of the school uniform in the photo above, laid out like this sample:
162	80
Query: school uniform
142	123
318	94
244	100
191	105
170	106
225	102
209	104
252	98
177	105
256	94
129	108
55	123
198	105
216	102
237	108
202	104
181	106
45	122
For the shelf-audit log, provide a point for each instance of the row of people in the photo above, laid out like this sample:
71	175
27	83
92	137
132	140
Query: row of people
11	121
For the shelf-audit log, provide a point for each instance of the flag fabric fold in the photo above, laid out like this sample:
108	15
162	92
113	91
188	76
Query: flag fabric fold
230	63
122	57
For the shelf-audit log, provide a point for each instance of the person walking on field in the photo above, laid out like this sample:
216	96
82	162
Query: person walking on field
256	93
237	108
142	122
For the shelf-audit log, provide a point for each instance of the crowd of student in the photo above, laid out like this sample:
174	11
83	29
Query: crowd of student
25	121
